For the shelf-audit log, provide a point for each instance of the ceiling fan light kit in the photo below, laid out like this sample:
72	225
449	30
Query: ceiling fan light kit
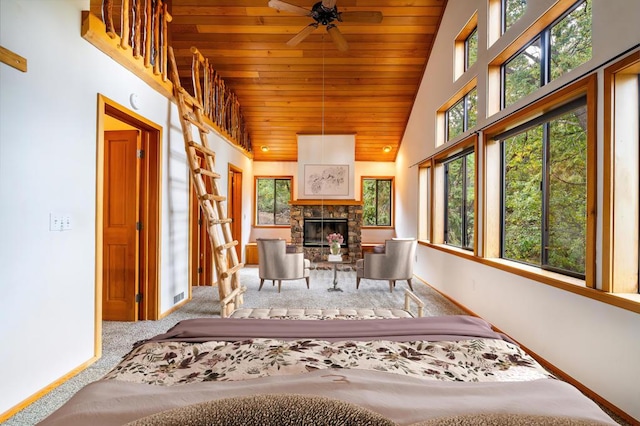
325	12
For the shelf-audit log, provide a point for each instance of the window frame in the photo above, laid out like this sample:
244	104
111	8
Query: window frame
620	248
547	20
491	199
463	155
465	115
543	120
460	46
391	200
425	200
255	199
437	196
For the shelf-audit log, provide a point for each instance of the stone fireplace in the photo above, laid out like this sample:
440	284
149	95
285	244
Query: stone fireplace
328	213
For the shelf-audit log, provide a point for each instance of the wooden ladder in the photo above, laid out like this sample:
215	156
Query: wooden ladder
205	182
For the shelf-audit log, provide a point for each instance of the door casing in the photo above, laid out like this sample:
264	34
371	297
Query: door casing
150	202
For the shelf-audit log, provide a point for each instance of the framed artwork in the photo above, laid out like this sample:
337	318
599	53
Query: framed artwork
330	179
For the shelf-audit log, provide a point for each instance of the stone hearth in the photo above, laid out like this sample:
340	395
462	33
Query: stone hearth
329	209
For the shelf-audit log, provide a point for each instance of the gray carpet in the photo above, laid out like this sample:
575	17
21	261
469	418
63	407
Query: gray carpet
118	337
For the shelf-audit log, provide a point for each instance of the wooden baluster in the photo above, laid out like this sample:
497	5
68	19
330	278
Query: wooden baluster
148	27
137	29
156	37
124	30
107	17
165	40
195	74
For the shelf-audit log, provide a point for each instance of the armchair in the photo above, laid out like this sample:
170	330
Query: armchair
277	265
396	263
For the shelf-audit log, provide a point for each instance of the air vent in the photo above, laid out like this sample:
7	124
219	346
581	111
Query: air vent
178	297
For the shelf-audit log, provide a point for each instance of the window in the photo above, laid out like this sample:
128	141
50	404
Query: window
377	199
273	195
466	47
462	115
559	48
512	10
459	200
471	49
544	195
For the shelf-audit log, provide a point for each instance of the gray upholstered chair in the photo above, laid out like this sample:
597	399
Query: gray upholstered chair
274	263
396	263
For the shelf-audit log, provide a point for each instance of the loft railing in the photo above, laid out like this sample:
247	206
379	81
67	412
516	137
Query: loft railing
220	104
135	34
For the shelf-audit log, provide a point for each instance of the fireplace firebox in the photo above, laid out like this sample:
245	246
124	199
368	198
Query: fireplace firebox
316	231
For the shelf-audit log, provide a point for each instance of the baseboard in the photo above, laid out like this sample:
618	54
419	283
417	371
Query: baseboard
12	411
546	364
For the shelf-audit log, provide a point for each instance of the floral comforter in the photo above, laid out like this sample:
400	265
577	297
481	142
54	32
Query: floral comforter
475	360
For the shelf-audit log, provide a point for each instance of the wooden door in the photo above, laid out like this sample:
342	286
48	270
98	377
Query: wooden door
234	205
120	234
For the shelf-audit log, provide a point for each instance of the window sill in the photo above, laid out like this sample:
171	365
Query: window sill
628	301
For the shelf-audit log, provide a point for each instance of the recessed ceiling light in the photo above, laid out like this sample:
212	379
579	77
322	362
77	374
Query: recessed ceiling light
387	148
264	148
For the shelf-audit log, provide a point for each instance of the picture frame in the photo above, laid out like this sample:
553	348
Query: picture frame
326	179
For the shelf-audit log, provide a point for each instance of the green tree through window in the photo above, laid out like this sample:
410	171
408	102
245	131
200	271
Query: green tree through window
471	49
462	115
272	201
377	196
545	191
558	49
512	10
459	200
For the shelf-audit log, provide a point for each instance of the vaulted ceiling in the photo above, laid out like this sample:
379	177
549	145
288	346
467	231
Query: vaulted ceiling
313	87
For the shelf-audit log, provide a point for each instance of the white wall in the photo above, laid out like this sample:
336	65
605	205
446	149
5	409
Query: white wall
48	164
595	343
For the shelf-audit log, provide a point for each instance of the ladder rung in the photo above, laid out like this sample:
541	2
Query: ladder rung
196	123
233	270
189	99
219	221
206	173
228	245
199	147
212	197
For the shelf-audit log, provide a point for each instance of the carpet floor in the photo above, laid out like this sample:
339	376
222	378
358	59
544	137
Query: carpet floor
118	337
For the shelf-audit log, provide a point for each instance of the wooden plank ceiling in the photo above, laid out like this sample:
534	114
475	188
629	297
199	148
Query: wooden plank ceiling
312	88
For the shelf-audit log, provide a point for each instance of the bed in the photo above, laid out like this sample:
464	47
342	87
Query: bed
405	371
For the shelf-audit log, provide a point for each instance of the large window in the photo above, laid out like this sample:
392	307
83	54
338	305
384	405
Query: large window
272	200
462	115
377	198
544	195
559	48
459	200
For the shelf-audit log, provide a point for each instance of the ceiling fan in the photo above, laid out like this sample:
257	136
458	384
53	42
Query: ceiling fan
325	12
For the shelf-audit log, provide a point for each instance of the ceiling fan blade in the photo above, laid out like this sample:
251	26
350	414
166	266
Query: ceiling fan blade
287	7
337	38
329	4
304	33
361	16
